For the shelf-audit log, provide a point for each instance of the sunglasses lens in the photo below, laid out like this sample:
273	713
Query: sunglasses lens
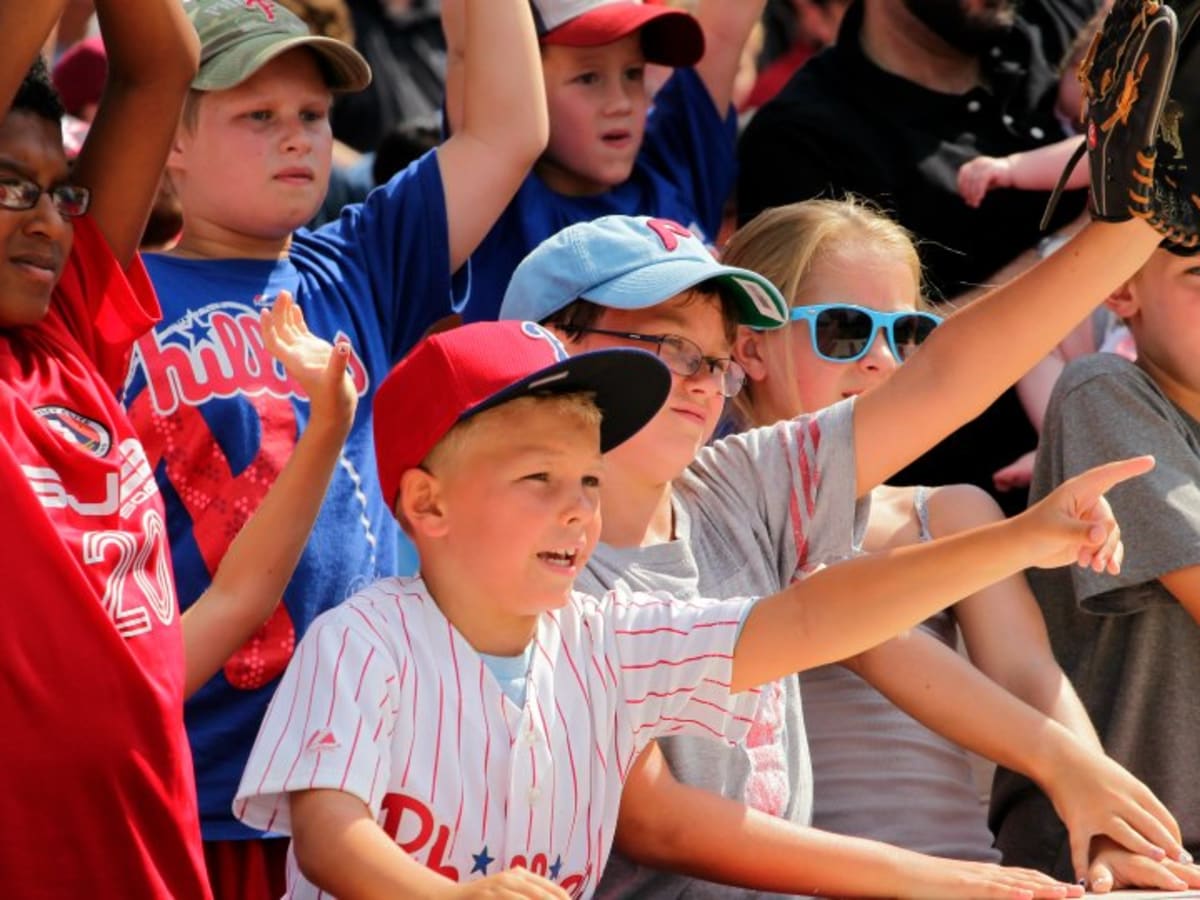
910	332
843	333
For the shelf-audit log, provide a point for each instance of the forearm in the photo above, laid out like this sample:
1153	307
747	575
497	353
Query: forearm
259	563
963	367
721	840
851	606
727	25
503	94
341	850
953	698
150	44
1040	169
25	27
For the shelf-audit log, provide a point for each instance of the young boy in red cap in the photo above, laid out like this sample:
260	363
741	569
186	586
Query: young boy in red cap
613	148
477	722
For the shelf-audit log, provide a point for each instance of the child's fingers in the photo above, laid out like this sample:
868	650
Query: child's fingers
1091	485
1099	878
338	362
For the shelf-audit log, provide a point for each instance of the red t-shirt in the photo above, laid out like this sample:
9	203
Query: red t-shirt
97	798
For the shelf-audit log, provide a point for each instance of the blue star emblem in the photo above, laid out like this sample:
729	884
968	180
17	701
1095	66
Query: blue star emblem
482	861
196	330
556	868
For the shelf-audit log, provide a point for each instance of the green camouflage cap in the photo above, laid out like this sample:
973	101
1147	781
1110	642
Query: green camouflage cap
239	37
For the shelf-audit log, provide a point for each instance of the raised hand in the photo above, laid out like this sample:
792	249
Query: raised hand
1074	523
317	366
983	173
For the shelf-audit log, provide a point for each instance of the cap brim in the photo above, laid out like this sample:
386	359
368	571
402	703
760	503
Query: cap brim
629	386
344	68
759	303
670	37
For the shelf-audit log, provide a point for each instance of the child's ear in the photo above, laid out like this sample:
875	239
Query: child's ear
420	505
749	352
1123	301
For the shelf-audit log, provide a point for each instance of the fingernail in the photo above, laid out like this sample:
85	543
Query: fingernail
1184	857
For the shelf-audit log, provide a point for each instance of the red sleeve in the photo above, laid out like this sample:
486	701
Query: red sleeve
103	307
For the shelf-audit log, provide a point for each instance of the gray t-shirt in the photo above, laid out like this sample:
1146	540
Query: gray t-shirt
880	773
1130	649
751	511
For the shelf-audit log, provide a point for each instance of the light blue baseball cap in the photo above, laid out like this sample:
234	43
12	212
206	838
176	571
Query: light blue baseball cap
631	262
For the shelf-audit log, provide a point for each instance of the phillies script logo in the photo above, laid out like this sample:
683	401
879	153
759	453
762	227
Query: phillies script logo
216	352
411	824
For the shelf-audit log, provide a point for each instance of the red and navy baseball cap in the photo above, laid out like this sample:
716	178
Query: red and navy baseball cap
453	375
671	37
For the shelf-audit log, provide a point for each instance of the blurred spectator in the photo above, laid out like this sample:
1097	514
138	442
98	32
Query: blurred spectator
793	31
403	42
912	90
79	77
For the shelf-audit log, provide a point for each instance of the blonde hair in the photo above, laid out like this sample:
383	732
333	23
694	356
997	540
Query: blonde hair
577	409
784	244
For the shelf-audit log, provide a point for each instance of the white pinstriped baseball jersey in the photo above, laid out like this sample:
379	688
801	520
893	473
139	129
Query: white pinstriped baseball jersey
385	700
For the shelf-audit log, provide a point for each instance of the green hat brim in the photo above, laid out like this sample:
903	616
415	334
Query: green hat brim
760	304
345	69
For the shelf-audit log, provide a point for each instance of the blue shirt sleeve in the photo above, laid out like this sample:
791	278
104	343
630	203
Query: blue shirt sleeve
399	240
689	143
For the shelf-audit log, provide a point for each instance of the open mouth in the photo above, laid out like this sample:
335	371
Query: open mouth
560	559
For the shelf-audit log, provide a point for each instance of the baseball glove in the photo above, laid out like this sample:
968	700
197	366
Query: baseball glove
1172	202
1125	74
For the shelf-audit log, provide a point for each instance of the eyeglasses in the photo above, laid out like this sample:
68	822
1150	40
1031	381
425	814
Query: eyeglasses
70	200
684	357
842	332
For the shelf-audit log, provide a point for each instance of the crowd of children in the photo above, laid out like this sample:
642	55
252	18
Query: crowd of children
313	591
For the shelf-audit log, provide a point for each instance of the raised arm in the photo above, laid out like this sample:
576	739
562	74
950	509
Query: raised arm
666	824
153	53
727	25
259	562
982	349
25	27
503	125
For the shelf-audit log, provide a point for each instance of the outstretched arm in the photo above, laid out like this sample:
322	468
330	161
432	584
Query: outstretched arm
259	562
669	825
1091	794
153	53
982	349
1033	170
849	607
727	25
499	125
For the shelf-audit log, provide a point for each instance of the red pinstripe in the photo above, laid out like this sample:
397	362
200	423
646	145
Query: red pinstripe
487	755
458	693
673	663
437	743
337	670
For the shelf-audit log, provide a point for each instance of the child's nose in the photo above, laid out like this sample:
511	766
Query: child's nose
879	355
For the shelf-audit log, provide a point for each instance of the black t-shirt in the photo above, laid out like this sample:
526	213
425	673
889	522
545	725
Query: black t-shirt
844	125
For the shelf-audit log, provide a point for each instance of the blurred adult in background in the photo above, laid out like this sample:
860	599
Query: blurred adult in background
403	42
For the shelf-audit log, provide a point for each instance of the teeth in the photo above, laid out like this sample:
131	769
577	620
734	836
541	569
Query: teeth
567	556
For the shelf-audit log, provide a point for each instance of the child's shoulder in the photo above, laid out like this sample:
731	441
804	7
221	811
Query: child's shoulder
1108	379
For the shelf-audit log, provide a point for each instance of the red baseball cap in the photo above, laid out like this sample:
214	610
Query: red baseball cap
671	37
451	376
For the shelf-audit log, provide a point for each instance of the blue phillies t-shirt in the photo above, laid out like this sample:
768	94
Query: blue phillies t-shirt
220	418
684	172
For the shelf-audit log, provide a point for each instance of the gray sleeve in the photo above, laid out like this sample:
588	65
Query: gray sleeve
1115	412
792	483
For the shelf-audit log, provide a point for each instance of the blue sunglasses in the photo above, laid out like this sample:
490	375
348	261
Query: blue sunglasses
843	332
